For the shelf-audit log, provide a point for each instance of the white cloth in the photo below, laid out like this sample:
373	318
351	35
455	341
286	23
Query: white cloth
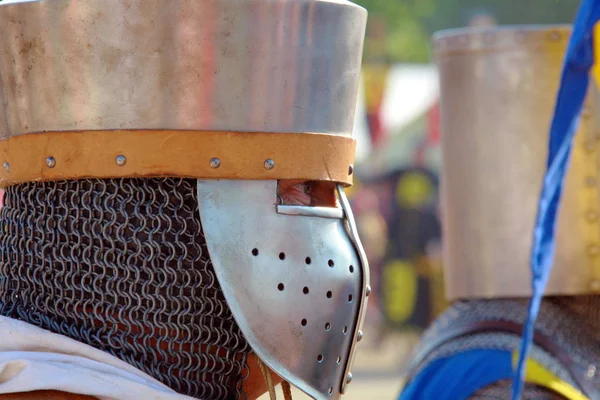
35	359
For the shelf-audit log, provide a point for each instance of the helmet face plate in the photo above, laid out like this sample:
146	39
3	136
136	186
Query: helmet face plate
293	282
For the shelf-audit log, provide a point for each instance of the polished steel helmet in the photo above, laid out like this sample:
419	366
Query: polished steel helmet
498	88
238	94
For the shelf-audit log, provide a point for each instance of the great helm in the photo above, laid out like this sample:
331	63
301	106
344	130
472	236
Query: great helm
498	88
239	94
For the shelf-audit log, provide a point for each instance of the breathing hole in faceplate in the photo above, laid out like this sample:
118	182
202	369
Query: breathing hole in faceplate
331	263
304	322
338	361
307	260
349	298
281	287
330	390
305	290
345	330
329	294
328	326
282	256
255	252
352	269
320	358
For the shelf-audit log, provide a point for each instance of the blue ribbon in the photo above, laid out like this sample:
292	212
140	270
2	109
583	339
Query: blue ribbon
578	62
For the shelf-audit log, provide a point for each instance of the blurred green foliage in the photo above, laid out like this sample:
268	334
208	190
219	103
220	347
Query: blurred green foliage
400	30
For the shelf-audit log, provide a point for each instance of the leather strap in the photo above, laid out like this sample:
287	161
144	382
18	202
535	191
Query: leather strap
577	372
167	153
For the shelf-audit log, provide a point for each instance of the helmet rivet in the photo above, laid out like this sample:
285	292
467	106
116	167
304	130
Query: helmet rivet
51	162
121	160
349	378
7	166
350	169
269	164
215	163
368	291
359	336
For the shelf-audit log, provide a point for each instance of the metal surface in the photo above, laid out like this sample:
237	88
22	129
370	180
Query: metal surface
215	162
352	231
122	265
498	89
323	212
295	284
269	164
121	160
247	65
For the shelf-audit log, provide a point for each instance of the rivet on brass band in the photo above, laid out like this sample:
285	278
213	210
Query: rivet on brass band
215	163
51	162
159	153
269	164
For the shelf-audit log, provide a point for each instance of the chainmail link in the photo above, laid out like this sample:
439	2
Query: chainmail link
122	265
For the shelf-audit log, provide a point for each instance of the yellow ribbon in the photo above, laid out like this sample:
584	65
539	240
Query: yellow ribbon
537	374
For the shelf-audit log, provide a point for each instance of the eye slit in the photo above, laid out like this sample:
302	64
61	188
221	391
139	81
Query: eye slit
307	193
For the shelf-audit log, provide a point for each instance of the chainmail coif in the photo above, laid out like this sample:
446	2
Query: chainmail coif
122	265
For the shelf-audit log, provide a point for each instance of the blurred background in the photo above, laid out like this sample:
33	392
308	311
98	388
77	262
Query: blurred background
395	197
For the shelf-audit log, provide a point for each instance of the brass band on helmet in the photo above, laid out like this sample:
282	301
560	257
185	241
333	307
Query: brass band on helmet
50	156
